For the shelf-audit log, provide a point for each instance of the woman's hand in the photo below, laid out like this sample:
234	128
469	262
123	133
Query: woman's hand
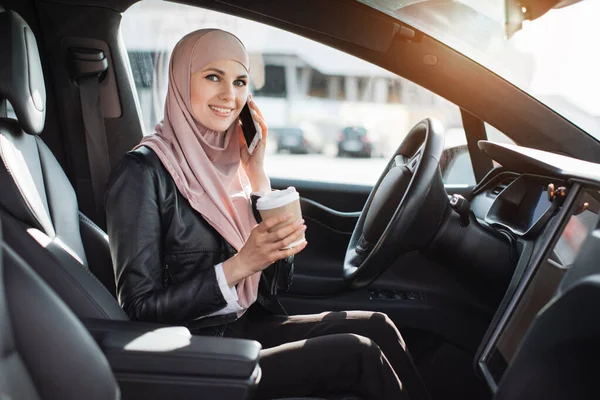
263	248
254	164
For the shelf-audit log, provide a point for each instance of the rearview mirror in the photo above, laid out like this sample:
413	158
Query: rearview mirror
517	11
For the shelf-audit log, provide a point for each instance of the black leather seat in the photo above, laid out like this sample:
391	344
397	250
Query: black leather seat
36	331
38	206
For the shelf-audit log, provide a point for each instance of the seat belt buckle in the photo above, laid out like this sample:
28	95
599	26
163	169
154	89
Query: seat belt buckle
87	62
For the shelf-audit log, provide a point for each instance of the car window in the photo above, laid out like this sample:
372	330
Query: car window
495	135
332	117
10	111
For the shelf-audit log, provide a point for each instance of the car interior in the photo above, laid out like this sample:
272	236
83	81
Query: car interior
494	286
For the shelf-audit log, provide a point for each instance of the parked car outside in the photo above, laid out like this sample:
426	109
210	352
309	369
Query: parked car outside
360	142
298	140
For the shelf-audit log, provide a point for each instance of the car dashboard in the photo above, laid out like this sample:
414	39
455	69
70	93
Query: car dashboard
547	205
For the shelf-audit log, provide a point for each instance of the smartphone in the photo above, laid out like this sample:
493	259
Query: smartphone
251	130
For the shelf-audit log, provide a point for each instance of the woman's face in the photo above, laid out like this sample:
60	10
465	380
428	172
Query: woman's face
218	93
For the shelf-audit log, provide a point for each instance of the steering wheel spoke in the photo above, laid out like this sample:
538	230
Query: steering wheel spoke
410	163
398	161
413	162
363	247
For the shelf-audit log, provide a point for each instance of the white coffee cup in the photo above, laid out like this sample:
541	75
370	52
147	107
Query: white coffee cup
279	202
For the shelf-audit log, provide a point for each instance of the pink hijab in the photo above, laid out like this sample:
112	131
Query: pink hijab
205	164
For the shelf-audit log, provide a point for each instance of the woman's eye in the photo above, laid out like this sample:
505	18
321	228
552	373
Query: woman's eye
212	77
240	82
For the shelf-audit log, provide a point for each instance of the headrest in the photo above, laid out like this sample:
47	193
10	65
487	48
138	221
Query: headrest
21	77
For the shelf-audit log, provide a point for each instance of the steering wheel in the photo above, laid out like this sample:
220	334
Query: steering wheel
403	210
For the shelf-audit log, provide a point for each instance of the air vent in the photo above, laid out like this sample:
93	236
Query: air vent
502	185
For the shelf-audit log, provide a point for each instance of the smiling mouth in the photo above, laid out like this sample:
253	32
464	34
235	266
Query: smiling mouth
221	111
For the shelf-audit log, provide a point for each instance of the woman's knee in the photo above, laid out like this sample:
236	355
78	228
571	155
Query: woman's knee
352	346
385	331
377	326
380	326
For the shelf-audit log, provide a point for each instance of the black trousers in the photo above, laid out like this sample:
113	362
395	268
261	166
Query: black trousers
356	352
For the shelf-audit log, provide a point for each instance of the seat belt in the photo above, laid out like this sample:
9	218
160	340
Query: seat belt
89	67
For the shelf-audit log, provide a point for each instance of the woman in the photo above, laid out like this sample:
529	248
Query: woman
187	249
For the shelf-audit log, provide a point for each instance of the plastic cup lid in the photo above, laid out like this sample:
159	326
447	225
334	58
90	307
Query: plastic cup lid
277	198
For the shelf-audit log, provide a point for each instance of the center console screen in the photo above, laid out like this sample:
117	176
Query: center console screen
543	283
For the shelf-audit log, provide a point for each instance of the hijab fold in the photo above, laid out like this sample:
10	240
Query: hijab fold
205	164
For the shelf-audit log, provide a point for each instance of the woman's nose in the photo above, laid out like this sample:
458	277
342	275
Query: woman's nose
228	92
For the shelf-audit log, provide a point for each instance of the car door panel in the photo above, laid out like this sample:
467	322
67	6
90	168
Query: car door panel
330	212
414	291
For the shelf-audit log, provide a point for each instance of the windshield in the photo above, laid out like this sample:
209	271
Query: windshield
554	58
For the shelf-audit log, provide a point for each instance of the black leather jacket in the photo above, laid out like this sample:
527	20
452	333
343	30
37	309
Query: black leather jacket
164	252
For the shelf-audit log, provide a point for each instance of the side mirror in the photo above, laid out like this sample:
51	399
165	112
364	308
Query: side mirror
456	167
